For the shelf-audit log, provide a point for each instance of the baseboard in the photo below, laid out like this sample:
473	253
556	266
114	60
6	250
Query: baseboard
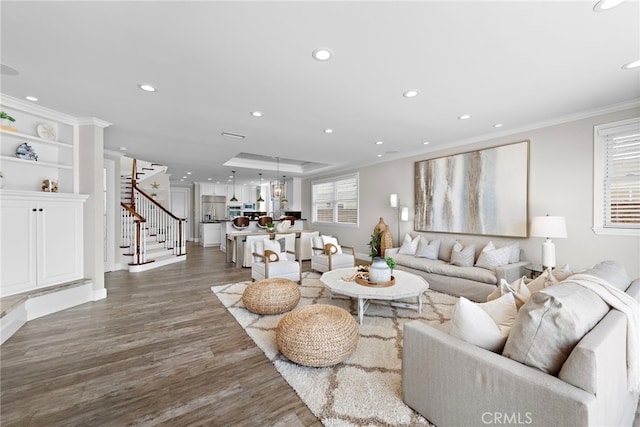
47	301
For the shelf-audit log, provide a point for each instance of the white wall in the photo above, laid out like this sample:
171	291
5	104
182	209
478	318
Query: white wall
560	183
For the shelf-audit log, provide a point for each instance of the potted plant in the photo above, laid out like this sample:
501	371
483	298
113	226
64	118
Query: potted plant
391	263
270	226
374	244
7	118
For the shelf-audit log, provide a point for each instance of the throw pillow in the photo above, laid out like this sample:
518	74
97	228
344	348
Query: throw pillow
409	246
274	246
333	241
428	249
551	323
486	325
515	252
282	244
490	257
544	280
446	245
462	256
562	273
517	288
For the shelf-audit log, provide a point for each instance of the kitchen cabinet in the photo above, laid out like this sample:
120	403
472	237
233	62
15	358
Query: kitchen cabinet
42	241
210	234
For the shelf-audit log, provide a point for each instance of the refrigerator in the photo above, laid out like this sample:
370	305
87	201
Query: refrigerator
213	207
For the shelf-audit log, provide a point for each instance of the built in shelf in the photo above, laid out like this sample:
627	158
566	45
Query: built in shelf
35	163
19	135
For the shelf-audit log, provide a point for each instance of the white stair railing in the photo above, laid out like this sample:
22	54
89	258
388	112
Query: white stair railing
134	234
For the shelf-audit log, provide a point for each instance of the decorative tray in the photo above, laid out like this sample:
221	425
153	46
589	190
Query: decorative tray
364	282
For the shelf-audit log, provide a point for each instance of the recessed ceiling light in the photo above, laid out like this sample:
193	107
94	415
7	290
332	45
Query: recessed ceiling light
464	116
233	135
147	87
188	173
411	93
604	5
379	155
256	113
498	125
631	65
379	142
123	148
182	180
31	98
425	143
322	54
328	131
209	179
184	177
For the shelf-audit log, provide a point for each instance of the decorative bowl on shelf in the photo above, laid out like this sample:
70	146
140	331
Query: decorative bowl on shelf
25	151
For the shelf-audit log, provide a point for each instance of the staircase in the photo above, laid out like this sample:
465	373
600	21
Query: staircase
151	236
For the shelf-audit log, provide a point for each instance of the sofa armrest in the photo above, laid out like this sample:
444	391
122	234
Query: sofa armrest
451	382
511	272
391	251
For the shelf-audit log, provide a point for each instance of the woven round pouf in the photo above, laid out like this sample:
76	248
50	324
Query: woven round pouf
317	335
271	296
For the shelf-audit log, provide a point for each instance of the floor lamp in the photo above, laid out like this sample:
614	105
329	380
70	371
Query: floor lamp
403	212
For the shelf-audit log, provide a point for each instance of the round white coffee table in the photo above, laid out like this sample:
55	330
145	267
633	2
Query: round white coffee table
407	286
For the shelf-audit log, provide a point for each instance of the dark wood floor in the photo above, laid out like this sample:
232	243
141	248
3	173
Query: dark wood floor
160	350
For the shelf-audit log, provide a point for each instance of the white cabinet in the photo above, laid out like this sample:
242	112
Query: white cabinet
210	234
52	136
41	242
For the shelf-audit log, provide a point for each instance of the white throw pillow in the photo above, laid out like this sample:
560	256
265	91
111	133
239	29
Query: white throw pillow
490	257
486	325
544	280
333	241
428	249
562	272
518	288
409	246
273	245
515	252
463	256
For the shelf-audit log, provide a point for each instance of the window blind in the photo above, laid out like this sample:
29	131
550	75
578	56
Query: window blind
621	175
335	200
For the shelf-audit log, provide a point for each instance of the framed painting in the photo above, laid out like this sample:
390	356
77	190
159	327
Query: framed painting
480	192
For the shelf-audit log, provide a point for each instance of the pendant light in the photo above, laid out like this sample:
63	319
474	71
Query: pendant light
284	196
260	199
233	199
277	187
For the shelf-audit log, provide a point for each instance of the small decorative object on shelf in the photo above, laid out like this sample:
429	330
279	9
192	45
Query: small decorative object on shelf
7	118
25	151
50	185
270	227
46	131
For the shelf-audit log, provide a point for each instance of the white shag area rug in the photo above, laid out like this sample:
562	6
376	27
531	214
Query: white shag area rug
365	389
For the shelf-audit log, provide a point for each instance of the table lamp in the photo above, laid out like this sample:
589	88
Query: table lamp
548	227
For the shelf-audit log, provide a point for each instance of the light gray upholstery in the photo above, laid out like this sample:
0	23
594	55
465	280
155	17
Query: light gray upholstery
323	260
454	383
286	267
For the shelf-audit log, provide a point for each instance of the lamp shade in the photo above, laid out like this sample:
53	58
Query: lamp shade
548	226
393	201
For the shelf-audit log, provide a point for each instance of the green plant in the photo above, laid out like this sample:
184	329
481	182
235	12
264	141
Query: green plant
270	225
391	263
5	116
375	244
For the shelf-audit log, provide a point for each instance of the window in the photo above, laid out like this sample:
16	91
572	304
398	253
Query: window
617	178
335	200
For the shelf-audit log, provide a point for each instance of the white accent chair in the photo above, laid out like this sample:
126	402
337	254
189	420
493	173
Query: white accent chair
247	260
269	262
289	241
304	245
329	255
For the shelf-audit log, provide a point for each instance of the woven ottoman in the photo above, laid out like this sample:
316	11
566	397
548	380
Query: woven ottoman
271	296
317	335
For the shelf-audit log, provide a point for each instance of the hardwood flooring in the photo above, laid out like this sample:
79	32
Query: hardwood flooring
159	350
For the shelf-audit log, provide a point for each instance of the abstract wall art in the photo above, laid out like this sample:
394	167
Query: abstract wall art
479	192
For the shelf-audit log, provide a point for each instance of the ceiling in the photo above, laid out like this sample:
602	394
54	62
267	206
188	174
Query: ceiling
213	63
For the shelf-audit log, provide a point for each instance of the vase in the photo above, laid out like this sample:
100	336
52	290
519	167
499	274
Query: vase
379	271
386	238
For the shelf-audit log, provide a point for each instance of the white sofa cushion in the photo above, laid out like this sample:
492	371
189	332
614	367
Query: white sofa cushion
492	257
550	324
428	249
409	245
463	256
472	273
487	324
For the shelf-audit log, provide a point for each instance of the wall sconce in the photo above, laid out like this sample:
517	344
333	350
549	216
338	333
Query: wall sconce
403	211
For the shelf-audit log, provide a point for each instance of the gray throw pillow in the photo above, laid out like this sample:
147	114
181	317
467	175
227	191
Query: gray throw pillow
551	323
